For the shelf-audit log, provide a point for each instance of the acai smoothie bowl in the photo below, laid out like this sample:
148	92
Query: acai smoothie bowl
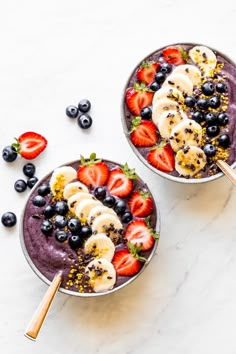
93	220
179	112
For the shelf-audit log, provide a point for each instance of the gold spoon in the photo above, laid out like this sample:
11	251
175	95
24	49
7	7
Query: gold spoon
227	170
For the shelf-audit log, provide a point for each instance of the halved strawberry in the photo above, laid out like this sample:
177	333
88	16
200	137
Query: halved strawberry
143	132
127	261
30	144
174	55
141	204
147	71
120	181
138	97
162	158
140	233
92	172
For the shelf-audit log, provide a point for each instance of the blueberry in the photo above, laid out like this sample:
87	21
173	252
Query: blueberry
61	235
165	68
84	121
198	116
109	201
44	189
9	154
72	112
61	207
120	207
9	219
75	241
60	221
209	150
211	118
154	86
32	181
221	87
46	227
84	106
39	201
160	77
49	211
85	231
146	113
213	130
202	104
100	192
208	88
29	169
20	185
126	217
214	102
190	101
223	118
224	141
74	225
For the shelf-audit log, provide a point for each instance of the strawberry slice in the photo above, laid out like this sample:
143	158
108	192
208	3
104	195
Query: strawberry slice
138	97
127	261
143	132
140	233
175	55
92	172
162	158
120	181
141	204
30	144
147	71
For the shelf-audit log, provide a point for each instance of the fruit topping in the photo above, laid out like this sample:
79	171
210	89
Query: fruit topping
160	77
198	116
61	235
85	231
174	55
47	227
147	72
166	68
214	102
224	140
141	204
60	221
137	97
20	185
162	158
140	233
213	130
85	121
223	119
190	101
146	113
72	112
93	172
208	88
211	118
203	104
44	189
74	225
30	144
127	262
221	87
75	241
143	132
100	192
126	217
9	154
120	181
39	201
9	219
120	207
154	86
209	150
61	207
109	201
49	211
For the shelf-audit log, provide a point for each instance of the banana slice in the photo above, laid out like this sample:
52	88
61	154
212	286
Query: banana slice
84	207
107	224
191	71
99	210
73	188
204	58
170	93
102	275
75	199
100	246
161	106
180	81
190	160
187	132
60	177
168	120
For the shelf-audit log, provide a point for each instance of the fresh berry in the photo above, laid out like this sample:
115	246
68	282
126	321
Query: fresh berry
126	217
84	106
139	233
208	88
120	181
138	97
224	140
221	87
30	144
29	169
9	154
141	204
154	86
223	119
210	150
202	104
190	101
75	242
93	172
125	263
147	72
174	55
211	118
85	121
20	185
165	68
109	201
146	113
198	116
39	201
61	235
85	231
160	77
60	221
49	211
9	219
46	227
214	102
72	112
143	132
100	192
120	207
44	189
162	158
61	207
213	130
74	225
32	181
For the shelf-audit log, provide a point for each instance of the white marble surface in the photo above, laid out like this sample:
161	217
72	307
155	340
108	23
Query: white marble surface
54	53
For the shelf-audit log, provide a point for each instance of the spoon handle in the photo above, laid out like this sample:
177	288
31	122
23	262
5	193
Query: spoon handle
227	170
42	310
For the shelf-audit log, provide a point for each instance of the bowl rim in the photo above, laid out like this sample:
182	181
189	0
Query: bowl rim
67	291
136	151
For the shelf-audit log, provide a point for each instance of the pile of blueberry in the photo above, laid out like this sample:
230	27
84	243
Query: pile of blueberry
29	171
84	120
